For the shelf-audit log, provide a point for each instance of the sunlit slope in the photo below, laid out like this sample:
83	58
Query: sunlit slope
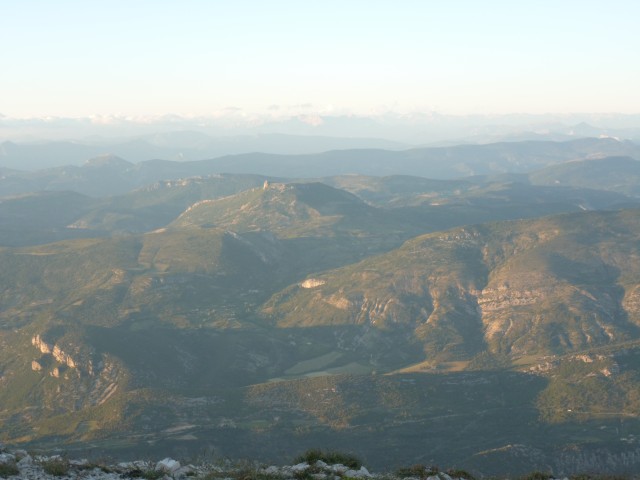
88	325
155	205
49	216
550	285
318	226
289	210
105	280
303	208
503	196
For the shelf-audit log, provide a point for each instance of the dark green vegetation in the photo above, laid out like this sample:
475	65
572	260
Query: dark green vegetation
487	323
331	458
422	471
58	467
8	469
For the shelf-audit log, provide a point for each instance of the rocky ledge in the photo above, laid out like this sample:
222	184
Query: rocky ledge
20	464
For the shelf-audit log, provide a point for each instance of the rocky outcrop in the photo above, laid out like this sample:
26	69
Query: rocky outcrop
20	465
63	357
41	345
631	303
54	353
492	299
338	301
57	353
196	205
312	283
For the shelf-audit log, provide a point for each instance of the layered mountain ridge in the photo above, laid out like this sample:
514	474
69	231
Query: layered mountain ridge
484	321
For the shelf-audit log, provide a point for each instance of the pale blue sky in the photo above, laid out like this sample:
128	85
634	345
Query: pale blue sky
196	57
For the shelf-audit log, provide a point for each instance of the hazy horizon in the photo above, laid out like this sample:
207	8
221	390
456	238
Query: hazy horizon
282	59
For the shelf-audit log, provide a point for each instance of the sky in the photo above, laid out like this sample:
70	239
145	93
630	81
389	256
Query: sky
212	57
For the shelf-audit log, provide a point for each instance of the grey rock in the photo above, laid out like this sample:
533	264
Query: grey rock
271	470
139	464
362	473
25	461
300	467
7	458
186	471
168	465
339	468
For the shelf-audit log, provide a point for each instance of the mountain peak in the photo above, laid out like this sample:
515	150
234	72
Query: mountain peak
107	160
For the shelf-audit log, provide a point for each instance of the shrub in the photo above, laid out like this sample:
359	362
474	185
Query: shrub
303	475
245	474
331	458
585	476
211	476
101	465
418	470
152	474
58	467
133	473
241	473
8	469
537	476
457	473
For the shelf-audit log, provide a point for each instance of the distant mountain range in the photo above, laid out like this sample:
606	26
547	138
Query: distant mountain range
405	204
111	175
415	128
175	146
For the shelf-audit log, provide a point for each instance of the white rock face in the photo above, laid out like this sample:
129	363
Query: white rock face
135	465
168	465
300	467
362	473
62	357
339	468
46	348
312	283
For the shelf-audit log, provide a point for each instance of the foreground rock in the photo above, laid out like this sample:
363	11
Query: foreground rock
19	464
